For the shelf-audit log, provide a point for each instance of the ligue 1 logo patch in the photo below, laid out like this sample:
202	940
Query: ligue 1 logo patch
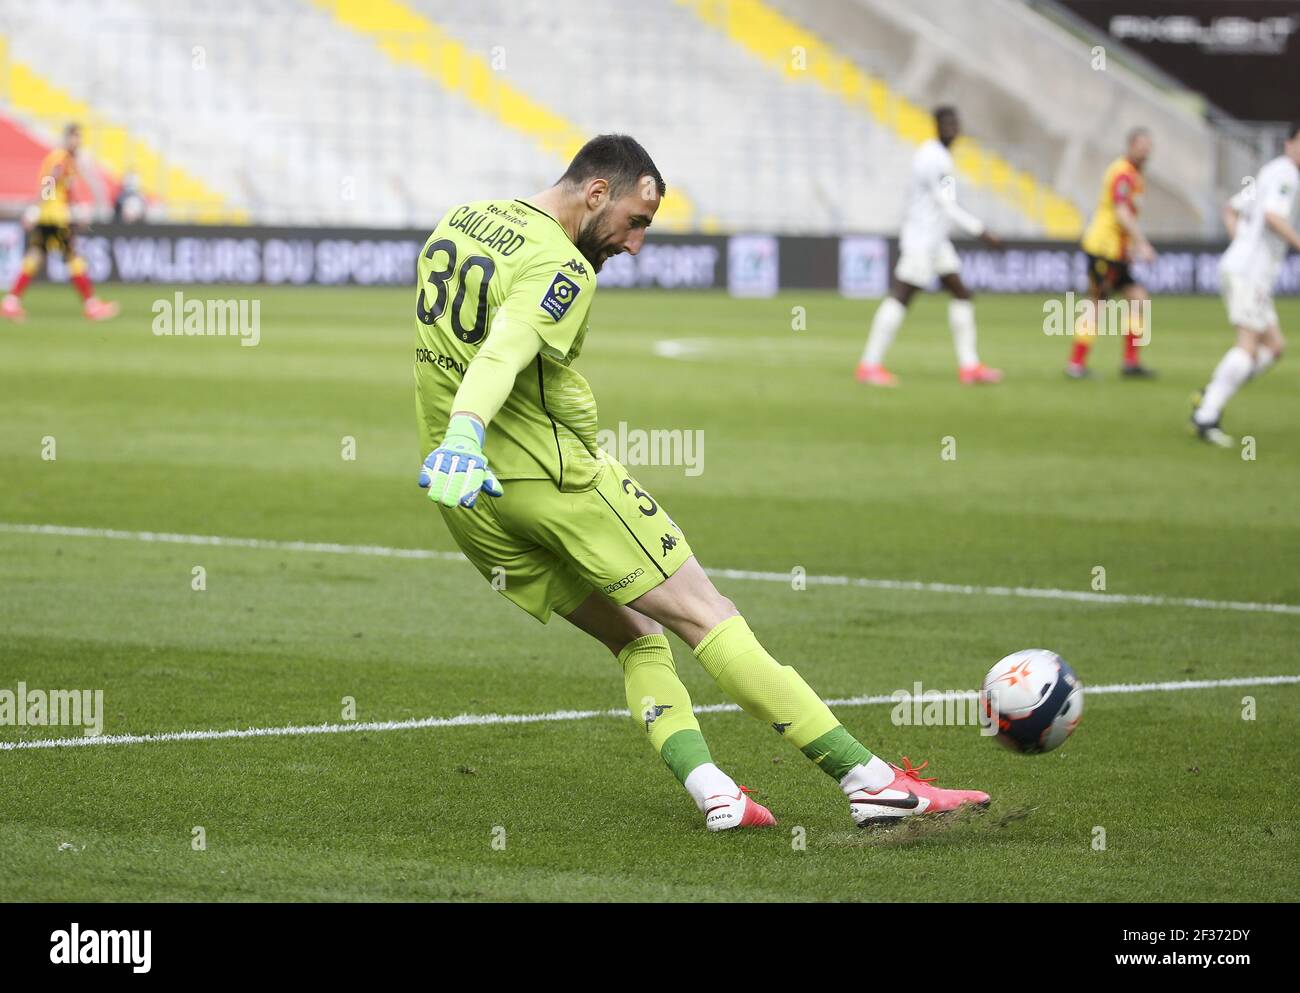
559	298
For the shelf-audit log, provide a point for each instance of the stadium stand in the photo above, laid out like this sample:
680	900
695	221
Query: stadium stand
1017	76
383	112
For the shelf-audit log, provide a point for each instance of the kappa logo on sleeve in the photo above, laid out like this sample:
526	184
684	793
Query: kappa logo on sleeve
559	298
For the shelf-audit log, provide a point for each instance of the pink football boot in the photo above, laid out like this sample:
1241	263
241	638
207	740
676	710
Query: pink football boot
875	375
99	310
972	375
12	308
909	794
723	812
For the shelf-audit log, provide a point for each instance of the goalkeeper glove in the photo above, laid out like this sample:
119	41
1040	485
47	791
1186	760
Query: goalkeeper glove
456	470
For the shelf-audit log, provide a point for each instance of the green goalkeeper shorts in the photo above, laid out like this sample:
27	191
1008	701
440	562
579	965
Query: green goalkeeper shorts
548	551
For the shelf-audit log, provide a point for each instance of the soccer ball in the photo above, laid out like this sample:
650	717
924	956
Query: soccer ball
1036	698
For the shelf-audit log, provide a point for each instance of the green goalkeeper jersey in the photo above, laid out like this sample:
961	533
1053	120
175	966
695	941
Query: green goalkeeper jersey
496	260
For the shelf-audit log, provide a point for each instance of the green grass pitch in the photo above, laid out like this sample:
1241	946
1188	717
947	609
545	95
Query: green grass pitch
802	468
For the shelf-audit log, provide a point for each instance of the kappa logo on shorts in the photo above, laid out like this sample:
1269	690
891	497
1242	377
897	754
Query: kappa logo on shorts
559	298
627	580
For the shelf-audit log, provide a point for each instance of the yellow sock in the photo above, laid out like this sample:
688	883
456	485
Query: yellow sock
774	693
660	705
777	695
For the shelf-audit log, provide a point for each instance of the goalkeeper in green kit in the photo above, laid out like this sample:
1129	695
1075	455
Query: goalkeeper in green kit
505	289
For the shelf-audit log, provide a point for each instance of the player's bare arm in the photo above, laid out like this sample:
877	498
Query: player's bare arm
1141	248
1283	227
1230	215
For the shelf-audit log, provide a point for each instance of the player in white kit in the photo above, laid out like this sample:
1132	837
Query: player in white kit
925	251
1259	220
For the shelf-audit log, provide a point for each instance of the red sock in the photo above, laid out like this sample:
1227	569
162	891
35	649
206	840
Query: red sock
1080	353
1130	349
20	283
82	283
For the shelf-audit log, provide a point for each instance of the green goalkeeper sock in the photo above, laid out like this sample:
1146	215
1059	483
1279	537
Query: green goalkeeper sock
660	705
777	695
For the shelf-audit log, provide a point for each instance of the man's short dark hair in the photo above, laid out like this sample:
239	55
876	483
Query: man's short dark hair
72	127
946	110
1292	130
617	158
1140	131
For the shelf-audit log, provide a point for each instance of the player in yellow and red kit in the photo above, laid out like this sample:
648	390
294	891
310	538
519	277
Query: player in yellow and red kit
1114	240
53	230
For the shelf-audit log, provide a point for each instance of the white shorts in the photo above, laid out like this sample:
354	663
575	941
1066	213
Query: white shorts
1249	302
920	267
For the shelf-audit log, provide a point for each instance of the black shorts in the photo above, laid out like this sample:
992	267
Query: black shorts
51	237
1106	276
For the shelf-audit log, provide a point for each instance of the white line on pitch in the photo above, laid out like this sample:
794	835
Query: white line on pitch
554	716
858	582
